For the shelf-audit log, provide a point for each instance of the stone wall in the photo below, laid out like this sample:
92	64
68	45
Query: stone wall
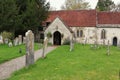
90	34
58	25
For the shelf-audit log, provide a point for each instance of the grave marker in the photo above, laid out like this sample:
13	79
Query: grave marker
29	48
45	47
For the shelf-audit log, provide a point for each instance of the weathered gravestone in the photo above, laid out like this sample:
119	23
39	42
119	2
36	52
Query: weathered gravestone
45	47
16	41
71	43
6	41
108	48
24	40
103	42
29	48
10	44
20	39
85	41
1	40
119	45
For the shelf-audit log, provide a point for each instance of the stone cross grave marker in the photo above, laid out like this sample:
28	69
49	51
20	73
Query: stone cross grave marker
45	47
108	48
29	48
20	39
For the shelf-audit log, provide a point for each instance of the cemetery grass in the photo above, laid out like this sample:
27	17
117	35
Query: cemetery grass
8	53
82	63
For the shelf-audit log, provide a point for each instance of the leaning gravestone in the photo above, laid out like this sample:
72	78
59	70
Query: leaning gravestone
20	39
44	47
29	48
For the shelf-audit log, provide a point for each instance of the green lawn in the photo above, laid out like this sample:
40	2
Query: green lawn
81	64
7	53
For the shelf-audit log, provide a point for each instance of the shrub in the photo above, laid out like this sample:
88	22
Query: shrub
66	41
7	35
49	35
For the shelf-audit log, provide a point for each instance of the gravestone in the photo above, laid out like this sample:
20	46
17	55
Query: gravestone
16	41
29	48
71	43
45	47
119	45
10	44
103	42
20	39
1	40
85	41
6	41
24	40
108	48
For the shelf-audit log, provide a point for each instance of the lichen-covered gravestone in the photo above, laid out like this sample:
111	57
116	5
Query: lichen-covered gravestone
29	48
45	47
20	39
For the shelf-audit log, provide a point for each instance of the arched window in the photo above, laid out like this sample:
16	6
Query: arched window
77	33
103	34
81	33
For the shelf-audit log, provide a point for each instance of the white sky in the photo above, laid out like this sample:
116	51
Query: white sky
58	3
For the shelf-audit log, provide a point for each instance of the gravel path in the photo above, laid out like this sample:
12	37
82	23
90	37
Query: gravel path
7	68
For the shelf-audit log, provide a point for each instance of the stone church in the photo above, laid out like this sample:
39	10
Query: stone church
85	25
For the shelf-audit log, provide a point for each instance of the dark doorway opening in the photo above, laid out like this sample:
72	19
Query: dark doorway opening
115	41
57	38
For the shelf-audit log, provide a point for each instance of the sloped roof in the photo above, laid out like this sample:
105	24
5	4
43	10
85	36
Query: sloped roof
108	17
75	18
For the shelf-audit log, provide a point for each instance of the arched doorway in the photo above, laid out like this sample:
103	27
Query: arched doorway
57	38
115	41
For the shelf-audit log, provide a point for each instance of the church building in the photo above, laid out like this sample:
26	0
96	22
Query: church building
87	26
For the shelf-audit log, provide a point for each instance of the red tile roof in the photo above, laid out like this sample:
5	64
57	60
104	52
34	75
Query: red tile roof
85	18
75	18
108	17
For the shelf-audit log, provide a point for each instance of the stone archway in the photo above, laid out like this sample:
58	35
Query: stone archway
115	41
57	38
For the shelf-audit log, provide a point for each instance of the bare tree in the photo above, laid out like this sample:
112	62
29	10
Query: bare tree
75	5
116	8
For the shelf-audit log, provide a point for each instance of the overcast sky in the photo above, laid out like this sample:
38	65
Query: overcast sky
58	3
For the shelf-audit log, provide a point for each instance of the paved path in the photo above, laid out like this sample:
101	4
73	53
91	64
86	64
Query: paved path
7	68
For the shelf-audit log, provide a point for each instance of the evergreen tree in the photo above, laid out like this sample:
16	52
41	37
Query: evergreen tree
104	5
8	15
33	13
